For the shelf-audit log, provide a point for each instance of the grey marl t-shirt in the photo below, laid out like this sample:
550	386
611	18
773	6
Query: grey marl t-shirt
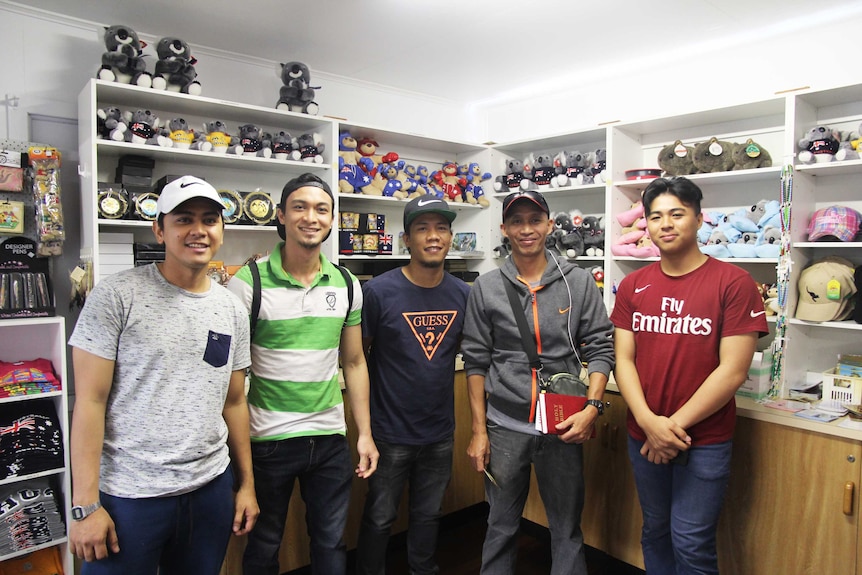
174	352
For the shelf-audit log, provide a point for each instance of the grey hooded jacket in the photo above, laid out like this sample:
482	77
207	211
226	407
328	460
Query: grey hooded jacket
492	344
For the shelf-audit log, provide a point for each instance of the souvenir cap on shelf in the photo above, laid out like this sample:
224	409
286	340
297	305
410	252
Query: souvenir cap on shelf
835	221
826	290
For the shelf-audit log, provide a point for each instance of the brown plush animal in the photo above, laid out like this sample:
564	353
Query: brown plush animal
676	159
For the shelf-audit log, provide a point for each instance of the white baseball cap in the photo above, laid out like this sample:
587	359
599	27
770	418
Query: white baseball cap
183	189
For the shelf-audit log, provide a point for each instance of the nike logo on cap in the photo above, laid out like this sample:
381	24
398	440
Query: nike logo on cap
756	313
640	289
422	203
187	184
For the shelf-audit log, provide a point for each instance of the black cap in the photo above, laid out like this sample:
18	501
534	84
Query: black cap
301	181
531	195
424	205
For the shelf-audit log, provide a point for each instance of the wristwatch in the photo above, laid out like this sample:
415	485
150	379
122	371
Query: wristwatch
598	404
80	512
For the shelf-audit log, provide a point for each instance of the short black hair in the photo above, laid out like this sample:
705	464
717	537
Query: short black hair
306	179
684	189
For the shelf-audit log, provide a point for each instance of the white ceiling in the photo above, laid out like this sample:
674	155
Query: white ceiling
467	50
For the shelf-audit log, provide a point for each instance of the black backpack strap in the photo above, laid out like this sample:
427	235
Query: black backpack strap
521	319
349	281
255	294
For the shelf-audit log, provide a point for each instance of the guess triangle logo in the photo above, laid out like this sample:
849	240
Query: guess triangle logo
430	328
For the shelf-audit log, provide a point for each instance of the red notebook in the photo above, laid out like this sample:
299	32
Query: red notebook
554	408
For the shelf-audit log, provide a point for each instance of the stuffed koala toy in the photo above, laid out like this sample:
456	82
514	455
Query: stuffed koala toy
568	239
597	167
311	148
123	60
503	250
144	129
594	236
284	146
712	156
513	178
110	124
819	145
750	155
677	159
253	143
175	69
541	171
296	95
180	134
216	138
572	168
848	148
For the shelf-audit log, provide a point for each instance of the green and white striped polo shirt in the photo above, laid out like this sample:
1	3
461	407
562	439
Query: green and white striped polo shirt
294	389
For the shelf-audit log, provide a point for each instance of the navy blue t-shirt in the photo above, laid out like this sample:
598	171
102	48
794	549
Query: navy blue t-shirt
416	333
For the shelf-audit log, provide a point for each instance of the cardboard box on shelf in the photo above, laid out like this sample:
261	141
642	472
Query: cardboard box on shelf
759	379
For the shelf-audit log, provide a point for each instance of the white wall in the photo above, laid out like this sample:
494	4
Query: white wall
47	60
818	52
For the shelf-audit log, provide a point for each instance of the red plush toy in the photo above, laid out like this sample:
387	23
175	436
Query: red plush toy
453	185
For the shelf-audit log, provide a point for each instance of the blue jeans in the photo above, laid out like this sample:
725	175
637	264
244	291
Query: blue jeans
681	505
559	474
181	534
324	469
428	469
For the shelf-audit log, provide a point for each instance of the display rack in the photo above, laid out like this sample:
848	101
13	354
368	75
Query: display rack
28	339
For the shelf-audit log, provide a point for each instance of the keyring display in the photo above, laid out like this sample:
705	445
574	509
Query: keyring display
113	203
232	206
258	207
145	206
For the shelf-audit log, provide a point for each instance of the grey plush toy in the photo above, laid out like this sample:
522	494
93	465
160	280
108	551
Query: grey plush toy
253	142
215	138
573	168
296	95
175	70
123	61
110	124
514	179
144	129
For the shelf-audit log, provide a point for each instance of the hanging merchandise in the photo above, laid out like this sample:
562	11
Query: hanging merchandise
25	289
11	172
81	279
783	270
45	183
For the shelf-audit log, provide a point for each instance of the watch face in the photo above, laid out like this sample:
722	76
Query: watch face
77	513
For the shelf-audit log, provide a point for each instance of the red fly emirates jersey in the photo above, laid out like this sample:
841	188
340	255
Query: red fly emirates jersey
678	323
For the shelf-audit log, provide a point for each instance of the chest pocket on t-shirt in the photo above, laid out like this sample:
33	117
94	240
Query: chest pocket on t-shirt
218	349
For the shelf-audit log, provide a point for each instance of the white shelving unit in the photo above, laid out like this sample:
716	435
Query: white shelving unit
98	160
814	347
776	124
590	199
636	145
28	339
432	153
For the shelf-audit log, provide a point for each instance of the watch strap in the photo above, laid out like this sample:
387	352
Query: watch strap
597	403
80	512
